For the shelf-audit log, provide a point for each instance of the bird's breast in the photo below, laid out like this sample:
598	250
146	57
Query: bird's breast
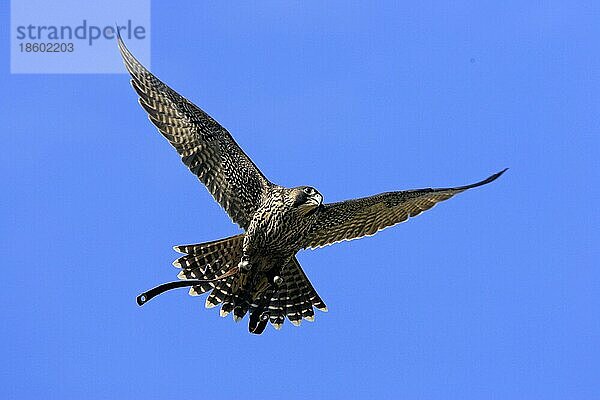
276	230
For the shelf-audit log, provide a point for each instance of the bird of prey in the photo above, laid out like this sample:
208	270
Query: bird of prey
257	272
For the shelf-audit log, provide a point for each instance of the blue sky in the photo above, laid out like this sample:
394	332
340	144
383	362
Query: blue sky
493	294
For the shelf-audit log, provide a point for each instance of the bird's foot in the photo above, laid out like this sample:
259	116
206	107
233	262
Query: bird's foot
245	264
277	280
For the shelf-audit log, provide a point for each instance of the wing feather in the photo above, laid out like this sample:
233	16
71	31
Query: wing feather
353	219
206	148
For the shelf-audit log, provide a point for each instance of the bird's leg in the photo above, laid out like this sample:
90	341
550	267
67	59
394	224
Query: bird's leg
245	263
274	277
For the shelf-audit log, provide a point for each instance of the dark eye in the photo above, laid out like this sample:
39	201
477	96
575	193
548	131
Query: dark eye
309	190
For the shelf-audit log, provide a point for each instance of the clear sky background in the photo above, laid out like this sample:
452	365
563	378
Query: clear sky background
493	294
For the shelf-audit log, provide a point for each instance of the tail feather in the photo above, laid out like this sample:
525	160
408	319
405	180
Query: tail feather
230	243
306	310
219	293
207	261
311	294
276	310
212	254
233	299
306	288
227	307
293	300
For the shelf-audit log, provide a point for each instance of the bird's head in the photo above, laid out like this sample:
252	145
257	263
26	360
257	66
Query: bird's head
306	198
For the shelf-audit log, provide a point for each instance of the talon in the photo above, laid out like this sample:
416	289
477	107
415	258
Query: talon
277	280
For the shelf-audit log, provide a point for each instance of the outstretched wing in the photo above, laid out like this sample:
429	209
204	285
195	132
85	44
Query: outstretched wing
356	218
206	148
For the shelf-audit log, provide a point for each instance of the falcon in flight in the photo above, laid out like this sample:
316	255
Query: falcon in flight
257	272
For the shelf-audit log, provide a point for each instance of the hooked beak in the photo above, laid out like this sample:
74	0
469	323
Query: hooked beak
315	200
